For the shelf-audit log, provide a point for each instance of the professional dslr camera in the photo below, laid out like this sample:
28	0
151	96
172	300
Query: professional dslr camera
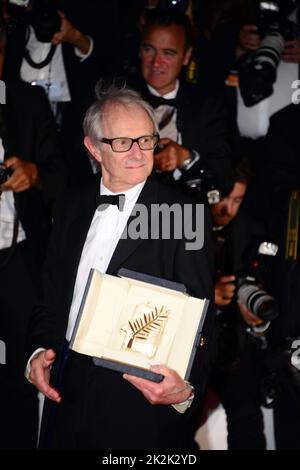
250	284
203	187
258	70
40	14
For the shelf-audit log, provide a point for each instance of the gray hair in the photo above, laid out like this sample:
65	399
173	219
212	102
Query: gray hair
112	94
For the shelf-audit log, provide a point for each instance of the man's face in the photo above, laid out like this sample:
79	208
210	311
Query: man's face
225	211
123	170
163	54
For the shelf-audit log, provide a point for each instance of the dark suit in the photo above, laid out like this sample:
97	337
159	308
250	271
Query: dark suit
116	414
202	122
28	132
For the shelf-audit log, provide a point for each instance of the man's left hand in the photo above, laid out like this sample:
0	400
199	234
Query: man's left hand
171	390
25	175
171	156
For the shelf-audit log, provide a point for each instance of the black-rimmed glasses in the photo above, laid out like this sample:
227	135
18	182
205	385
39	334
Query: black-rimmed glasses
123	144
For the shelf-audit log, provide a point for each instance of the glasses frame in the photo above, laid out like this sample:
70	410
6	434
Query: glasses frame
110	142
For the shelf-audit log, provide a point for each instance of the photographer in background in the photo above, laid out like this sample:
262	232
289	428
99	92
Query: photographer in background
32	176
48	45
268	56
238	369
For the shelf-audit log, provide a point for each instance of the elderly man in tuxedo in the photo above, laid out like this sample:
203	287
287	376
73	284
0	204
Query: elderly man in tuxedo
93	407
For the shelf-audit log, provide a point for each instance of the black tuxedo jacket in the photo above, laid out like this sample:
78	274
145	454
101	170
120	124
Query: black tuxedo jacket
164	258
29	132
203	124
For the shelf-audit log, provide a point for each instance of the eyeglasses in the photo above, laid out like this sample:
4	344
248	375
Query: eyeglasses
123	144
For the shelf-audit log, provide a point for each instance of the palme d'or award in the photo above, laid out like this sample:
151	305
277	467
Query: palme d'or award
129	322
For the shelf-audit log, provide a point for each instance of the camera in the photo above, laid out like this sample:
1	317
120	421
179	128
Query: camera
40	14
44	19
258	70
18	14
204	187
281	360
5	173
250	285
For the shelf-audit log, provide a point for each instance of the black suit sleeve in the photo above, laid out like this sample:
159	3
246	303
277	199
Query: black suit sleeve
48	150
206	130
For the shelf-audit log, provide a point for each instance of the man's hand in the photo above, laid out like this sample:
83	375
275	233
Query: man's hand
248	316
68	33
224	290
291	51
171	156
40	374
25	175
171	390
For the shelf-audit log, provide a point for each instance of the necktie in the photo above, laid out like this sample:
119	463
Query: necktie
156	101
104	200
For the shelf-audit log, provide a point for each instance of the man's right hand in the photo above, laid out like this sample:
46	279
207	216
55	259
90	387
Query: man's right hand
40	374
224	290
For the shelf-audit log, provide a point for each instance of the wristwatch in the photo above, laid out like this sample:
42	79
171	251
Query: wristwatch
192	157
185	164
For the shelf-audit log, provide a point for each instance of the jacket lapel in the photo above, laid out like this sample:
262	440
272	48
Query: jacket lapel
79	226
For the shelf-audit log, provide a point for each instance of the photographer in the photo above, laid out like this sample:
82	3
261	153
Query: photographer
193	125
268	56
47	45
238	369
32	176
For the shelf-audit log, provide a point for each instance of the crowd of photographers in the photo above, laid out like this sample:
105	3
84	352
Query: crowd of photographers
222	79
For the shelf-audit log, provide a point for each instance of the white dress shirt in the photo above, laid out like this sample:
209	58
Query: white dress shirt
54	73
103	236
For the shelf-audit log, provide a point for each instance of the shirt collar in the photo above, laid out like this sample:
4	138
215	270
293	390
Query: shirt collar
130	195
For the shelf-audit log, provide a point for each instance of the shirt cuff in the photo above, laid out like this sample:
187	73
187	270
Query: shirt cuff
184	405
28	365
82	56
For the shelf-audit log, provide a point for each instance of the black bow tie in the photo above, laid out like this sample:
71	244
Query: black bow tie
156	101
104	200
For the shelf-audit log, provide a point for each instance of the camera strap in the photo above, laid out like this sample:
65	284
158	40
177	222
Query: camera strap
292	234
